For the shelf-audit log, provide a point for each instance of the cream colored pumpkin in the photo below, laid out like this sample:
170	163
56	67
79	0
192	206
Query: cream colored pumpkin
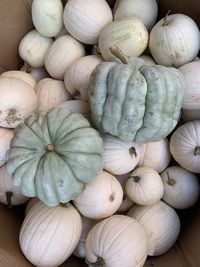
30	204
191	73
47	16
185	146
101	198
174	40
17	101
115	242
156	155
148	60
181	187
78	106
144	186
63	52
77	76
86	19
49	235
161	224
190	115
9	194
6	136
145	10
129	34
51	93
120	157
33	48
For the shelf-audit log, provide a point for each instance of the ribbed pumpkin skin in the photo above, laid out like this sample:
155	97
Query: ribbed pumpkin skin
54	154
136	102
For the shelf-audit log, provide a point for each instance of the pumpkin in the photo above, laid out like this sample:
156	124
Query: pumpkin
47	16
185	146
190	115
115	242
33	48
49	235
133	101
51	93
155	155
85	20
17	101
129	34
120	157
148	60
63	52
181	187
161	223
30	204
6	136
101	198
144	186
9	194
174	40
191	73
77	76
54	154
37	73
146	10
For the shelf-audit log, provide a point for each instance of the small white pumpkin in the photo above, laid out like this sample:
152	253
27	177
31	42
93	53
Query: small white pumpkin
33	48
49	235
78	106
30	204
144	186
128	34
6	135
63	52
190	115
115	242
145	10
101	198
174	40
51	93
161	224
185	146
86	19
9	194
120	157
47	16
77	76
148	60
156	155
181	187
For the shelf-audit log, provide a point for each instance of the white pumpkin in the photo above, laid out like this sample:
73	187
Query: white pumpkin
63	52
161	224
191	73
9	194
47	16
77	76
181	187
128	34
185	146
156	155
49	235
33	48
30	204
86	19
190	115
144	186
120	157
6	135
115	242
51	93
174	40
101	198
145	10
148	60
36	73
79	106
17	101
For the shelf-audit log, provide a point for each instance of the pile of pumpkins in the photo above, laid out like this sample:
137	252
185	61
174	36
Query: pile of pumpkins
100	139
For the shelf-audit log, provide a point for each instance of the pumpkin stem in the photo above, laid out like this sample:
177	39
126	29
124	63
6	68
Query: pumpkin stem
99	263
50	147
132	151
64	205
165	20
170	181
197	150
27	68
136	178
9	195
119	54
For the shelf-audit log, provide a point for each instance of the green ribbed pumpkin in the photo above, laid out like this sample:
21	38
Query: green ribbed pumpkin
135	102
54	154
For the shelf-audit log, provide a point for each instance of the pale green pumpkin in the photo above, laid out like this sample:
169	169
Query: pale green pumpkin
54	154
135	102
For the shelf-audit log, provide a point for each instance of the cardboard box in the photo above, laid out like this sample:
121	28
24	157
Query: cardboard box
15	21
